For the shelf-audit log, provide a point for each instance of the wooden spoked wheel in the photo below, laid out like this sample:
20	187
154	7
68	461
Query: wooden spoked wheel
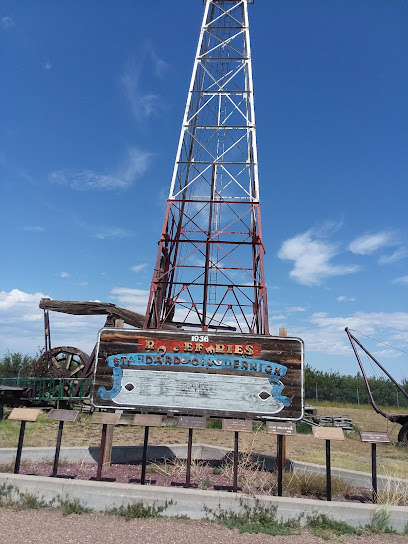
63	362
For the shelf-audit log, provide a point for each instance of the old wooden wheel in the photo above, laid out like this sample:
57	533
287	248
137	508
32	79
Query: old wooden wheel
63	362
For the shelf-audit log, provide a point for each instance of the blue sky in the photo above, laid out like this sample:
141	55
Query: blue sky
91	100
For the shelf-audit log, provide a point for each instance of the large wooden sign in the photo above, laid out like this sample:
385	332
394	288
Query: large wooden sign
214	374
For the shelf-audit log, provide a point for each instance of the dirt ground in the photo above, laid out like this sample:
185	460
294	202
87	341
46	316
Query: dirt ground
39	526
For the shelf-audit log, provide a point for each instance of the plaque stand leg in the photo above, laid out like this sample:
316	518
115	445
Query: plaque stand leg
19	448
102	451
374	470
280	463
57	449
328	472
235	483
189	450
144	458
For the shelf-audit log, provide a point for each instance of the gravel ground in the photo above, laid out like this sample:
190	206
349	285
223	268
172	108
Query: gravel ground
40	526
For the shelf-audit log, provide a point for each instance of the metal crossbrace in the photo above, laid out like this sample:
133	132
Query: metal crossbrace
209	270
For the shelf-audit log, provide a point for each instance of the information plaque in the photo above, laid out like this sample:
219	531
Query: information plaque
287	429
148	420
328	433
105	418
188	422
24	414
62	415
375	437
238	425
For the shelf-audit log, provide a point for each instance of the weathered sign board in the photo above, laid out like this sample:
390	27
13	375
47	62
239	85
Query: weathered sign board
214	374
375	437
284	428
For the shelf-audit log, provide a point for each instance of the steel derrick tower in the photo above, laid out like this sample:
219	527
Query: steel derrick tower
209	272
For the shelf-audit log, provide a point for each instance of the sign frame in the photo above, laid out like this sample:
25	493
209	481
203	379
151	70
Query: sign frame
225	375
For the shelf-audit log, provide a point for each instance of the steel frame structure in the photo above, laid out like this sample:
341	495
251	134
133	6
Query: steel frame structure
209	272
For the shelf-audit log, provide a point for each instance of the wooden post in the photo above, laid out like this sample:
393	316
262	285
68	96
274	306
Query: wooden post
107	453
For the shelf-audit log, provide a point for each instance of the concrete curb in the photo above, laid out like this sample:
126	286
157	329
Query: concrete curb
195	504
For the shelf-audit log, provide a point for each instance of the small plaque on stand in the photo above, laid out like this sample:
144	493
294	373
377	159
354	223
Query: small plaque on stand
328	433
191	422
105	418
148	420
24	414
238	425
282	427
375	437
62	415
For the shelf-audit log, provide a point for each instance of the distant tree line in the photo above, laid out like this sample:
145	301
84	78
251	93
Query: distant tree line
319	385
16	364
333	386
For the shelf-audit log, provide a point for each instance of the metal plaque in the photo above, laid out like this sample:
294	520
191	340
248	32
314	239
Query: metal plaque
376	437
24	414
283	428
211	374
189	422
148	420
106	418
328	433
241	425
62	415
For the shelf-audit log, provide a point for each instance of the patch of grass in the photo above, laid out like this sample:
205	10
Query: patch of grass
214	424
256	519
26	501
303	428
68	507
314	485
205	484
138	510
324	527
380	522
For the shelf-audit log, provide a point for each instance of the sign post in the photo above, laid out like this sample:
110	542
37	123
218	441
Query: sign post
23	415
148	420
328	434
61	416
190	423
106	419
236	425
374	437
282	430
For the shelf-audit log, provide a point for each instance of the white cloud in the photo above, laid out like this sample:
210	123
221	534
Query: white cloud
403	280
294	309
369	243
325	336
7	22
138	267
397	255
142	104
65	275
343	298
312	256
34	228
133	299
22	325
104	233
133	167
47	66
